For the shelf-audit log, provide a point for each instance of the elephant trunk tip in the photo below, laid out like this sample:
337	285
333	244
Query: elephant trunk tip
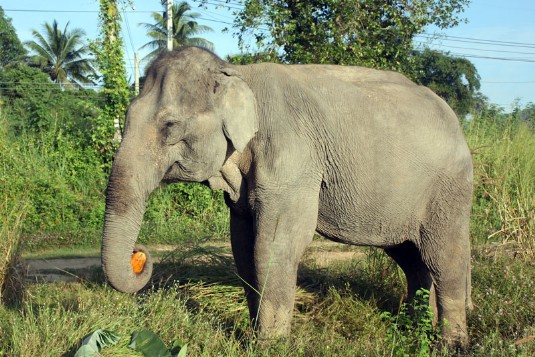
134	274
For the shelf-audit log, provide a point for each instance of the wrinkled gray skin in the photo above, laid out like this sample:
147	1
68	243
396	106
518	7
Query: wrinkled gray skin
360	156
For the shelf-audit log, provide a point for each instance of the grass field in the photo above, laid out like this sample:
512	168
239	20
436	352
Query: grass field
342	307
199	300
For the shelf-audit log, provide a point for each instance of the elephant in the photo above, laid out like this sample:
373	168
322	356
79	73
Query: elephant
357	155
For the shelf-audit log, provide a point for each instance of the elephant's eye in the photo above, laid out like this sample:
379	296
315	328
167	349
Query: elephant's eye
171	132
170	124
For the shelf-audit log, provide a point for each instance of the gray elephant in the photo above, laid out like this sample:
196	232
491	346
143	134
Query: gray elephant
360	156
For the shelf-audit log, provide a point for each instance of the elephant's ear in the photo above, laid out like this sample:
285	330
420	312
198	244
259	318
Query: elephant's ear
238	105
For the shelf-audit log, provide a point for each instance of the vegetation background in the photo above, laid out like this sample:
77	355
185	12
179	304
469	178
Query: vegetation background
55	158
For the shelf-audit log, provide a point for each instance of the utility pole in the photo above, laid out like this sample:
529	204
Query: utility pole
169	25
136	73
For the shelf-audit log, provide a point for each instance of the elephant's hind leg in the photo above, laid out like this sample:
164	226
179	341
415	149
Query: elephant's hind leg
408	257
445	248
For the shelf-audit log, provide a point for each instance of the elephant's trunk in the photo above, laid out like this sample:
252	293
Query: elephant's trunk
126	198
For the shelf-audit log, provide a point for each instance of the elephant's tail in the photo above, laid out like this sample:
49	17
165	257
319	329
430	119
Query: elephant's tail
469	304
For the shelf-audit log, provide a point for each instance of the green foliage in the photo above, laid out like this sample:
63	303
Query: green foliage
184	211
411	332
109	55
185	28
21	85
61	181
367	32
454	79
62	55
94	342
48	159
251	58
526	114
146	342
11	49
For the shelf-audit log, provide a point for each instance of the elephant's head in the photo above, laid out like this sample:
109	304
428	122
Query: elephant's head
193	112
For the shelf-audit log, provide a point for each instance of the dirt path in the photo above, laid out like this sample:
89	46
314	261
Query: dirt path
58	269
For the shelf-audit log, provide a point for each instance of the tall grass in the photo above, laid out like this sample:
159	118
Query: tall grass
12	211
11	279
504	171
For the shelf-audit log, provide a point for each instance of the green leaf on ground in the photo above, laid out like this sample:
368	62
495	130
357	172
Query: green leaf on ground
148	343
94	342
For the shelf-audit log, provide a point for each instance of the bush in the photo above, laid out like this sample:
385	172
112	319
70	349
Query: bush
61	183
412	334
185	211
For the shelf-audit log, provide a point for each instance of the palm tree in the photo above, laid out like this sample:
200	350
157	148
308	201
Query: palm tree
184	29
62	55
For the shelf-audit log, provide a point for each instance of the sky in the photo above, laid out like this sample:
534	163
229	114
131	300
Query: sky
499	37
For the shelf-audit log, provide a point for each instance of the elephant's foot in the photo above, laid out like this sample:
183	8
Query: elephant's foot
273	322
455	338
453	325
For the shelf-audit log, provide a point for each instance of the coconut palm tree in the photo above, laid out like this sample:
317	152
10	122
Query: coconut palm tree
185	27
62	54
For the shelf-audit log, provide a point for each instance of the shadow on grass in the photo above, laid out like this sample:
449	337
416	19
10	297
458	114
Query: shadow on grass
379	289
215	265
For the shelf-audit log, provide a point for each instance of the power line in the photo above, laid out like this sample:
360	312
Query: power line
94	11
492	41
486	43
216	16
480	49
39	10
492	82
223	3
512	59
47	84
68	11
233	5
478	41
424	35
226	4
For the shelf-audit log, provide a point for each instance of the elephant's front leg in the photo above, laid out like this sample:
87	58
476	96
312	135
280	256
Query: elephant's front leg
284	226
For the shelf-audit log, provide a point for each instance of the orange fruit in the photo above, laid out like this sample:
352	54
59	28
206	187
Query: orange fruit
138	262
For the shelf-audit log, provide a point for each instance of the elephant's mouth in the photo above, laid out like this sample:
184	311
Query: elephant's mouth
174	173
193	171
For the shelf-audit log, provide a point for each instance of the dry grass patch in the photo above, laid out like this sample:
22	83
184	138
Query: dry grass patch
11	278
